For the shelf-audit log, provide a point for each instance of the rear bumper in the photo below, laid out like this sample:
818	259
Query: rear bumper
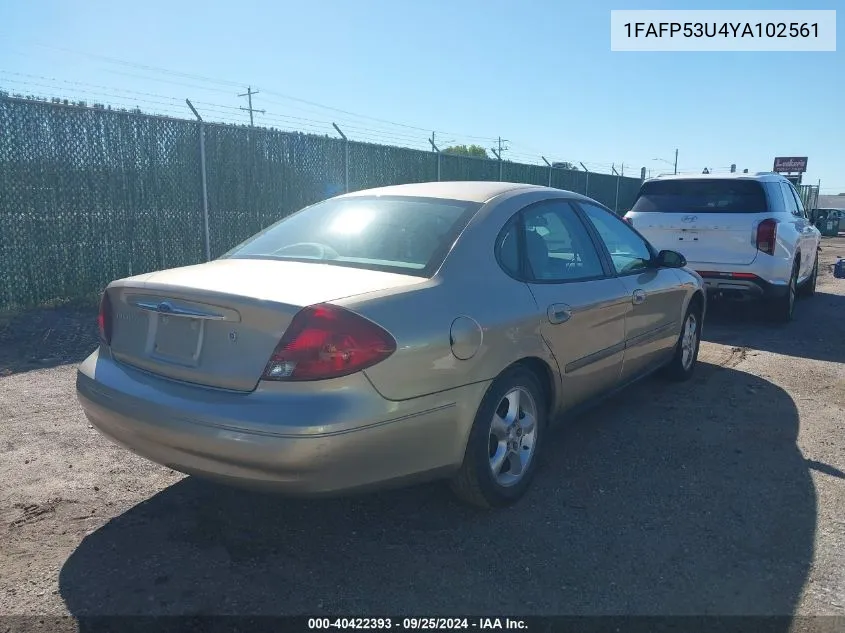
300	440
742	288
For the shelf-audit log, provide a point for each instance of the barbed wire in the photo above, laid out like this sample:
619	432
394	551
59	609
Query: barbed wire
51	88
316	113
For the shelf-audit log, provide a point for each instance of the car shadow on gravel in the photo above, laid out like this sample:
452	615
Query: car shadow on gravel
667	499
817	331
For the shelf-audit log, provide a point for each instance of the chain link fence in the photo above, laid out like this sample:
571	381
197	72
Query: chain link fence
89	195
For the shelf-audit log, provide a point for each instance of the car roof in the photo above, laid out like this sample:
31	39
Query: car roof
469	190
760	176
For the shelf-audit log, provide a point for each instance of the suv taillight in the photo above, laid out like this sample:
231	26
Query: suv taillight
326	341
767	232
104	319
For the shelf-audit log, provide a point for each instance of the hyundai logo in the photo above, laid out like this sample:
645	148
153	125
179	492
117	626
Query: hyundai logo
689	218
165	307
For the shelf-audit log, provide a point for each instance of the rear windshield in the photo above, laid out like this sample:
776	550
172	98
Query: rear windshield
404	235
701	196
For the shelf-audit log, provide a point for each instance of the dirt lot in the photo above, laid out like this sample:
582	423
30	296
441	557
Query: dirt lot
725	495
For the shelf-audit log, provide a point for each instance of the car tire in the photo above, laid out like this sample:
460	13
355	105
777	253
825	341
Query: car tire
782	309
682	365
511	421
809	287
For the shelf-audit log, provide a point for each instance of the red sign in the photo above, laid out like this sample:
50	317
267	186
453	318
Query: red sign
790	164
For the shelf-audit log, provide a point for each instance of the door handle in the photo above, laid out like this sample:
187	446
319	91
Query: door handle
638	297
559	313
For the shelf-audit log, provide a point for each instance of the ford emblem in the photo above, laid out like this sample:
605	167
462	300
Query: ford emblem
689	218
165	307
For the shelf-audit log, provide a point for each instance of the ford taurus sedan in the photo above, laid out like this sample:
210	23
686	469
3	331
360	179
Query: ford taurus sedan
387	336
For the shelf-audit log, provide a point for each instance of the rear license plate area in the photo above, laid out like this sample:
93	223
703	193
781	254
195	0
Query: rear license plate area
178	339
687	235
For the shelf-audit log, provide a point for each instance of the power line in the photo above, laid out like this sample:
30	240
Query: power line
202	78
215	106
229	113
288	121
172	73
35	89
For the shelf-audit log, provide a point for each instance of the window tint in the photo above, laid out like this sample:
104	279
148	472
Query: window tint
701	196
776	201
557	245
629	251
396	234
789	199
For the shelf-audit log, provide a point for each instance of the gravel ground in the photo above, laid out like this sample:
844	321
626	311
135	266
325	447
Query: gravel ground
725	495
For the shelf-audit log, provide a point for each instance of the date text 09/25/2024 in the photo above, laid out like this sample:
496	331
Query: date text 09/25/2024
417	624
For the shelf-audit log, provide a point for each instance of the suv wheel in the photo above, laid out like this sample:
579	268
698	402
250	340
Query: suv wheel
783	308
809	287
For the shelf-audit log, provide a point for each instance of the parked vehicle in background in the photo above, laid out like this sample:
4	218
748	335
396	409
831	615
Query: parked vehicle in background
396	334
747	235
829	222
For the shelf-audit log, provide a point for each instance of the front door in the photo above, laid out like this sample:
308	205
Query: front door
656	296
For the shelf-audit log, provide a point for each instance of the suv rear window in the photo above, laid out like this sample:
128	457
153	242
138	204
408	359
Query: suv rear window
701	196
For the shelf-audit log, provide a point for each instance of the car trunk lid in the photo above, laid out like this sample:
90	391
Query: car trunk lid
702	237
217	324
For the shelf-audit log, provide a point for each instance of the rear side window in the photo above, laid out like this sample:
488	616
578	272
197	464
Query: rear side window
789	199
701	196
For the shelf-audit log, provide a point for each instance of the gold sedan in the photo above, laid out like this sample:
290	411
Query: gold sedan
392	335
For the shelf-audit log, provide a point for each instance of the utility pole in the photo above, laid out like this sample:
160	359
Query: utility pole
498	154
676	161
248	94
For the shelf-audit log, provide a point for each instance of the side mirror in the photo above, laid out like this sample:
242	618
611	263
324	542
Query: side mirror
670	259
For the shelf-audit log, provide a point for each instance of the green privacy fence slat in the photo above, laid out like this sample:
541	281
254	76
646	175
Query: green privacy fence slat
258	176
89	195
380	165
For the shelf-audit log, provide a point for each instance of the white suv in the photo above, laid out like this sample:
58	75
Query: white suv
747	235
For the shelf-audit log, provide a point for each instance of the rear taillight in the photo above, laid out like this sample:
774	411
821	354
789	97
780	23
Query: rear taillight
326	341
767	233
104	319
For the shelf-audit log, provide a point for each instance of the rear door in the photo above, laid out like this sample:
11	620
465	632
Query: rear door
582	304
708	220
656	295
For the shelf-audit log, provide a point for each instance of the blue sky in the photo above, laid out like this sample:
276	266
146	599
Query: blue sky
538	73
